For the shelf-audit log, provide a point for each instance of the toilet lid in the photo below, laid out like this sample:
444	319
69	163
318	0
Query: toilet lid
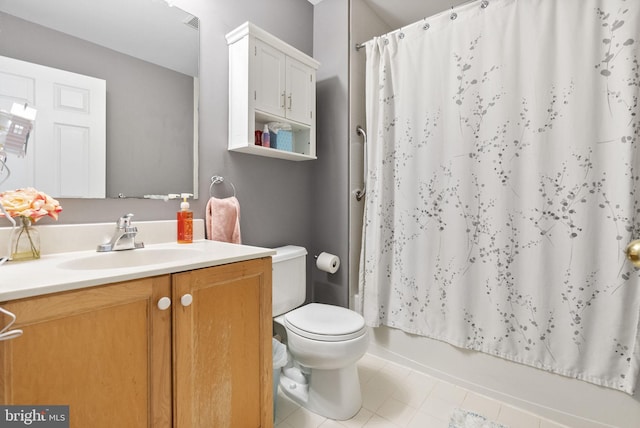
325	322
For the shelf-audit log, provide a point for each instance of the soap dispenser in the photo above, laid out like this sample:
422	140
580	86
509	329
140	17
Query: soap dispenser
266	137
185	221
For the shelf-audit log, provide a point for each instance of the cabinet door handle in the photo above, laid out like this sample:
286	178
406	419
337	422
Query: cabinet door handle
284	99
164	303
186	299
289	101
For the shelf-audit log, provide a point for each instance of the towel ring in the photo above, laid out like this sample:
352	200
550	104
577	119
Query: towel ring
217	179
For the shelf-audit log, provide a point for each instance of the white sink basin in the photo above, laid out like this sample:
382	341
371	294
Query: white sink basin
129	258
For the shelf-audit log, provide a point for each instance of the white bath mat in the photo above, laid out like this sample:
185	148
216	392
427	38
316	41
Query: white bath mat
465	419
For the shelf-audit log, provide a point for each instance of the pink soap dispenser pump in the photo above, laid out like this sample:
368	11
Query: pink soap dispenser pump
266	138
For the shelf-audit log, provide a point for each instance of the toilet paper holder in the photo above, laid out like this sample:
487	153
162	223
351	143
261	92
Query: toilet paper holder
326	262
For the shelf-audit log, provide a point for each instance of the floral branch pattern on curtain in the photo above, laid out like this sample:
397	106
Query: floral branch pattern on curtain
503	184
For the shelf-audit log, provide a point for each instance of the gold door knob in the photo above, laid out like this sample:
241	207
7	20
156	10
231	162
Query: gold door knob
633	252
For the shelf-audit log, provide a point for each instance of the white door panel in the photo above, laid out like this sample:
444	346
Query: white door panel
269	79
66	154
300	91
72	143
17	89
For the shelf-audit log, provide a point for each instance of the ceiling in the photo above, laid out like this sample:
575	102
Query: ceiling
399	13
144	17
146	29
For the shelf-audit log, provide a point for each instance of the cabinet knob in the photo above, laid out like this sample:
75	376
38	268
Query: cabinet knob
186	299
164	303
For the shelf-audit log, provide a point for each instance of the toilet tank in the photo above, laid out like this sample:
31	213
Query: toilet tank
289	278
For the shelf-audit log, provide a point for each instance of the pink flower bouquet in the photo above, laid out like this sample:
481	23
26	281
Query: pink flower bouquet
29	203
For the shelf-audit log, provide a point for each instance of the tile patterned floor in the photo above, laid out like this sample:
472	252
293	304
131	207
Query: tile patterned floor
397	397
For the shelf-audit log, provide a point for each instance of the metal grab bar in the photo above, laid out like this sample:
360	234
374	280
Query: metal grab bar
361	192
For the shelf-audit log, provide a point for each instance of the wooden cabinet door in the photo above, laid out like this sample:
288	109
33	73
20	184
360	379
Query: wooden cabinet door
301	90
269	79
222	346
104	351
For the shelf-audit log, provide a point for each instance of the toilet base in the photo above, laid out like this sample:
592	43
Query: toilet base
334	394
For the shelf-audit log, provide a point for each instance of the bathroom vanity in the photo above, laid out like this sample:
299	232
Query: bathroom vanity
185	342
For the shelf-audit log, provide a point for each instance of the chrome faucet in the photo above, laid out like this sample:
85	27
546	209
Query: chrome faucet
124	237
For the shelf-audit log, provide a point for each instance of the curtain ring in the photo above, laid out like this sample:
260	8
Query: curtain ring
453	14
426	26
401	35
484	4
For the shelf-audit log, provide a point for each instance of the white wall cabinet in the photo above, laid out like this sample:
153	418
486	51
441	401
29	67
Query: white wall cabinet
284	86
270	81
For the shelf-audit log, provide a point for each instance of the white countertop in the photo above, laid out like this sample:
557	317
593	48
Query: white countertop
49	274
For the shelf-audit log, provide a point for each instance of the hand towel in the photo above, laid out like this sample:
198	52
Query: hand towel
223	220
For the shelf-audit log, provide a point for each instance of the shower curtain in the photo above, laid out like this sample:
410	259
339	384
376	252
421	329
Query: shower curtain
503	183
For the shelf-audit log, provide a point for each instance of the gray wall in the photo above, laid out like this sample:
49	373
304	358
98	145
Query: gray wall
134	87
275	195
282	202
330	179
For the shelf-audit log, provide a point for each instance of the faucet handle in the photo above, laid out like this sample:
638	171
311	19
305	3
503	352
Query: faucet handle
124	221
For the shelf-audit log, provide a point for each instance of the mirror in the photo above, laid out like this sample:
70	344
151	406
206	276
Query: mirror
147	52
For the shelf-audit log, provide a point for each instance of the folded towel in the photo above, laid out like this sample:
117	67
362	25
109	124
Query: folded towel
223	220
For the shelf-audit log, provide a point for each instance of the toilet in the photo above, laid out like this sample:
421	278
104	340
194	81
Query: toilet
324	341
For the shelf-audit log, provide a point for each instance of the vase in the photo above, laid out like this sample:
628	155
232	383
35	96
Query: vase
25	240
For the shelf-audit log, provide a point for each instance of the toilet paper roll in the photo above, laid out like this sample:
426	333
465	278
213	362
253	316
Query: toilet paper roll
328	262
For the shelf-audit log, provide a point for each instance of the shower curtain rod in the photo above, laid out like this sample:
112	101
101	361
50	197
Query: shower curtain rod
483	4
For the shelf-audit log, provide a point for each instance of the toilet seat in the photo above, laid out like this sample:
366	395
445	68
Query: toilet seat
326	323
